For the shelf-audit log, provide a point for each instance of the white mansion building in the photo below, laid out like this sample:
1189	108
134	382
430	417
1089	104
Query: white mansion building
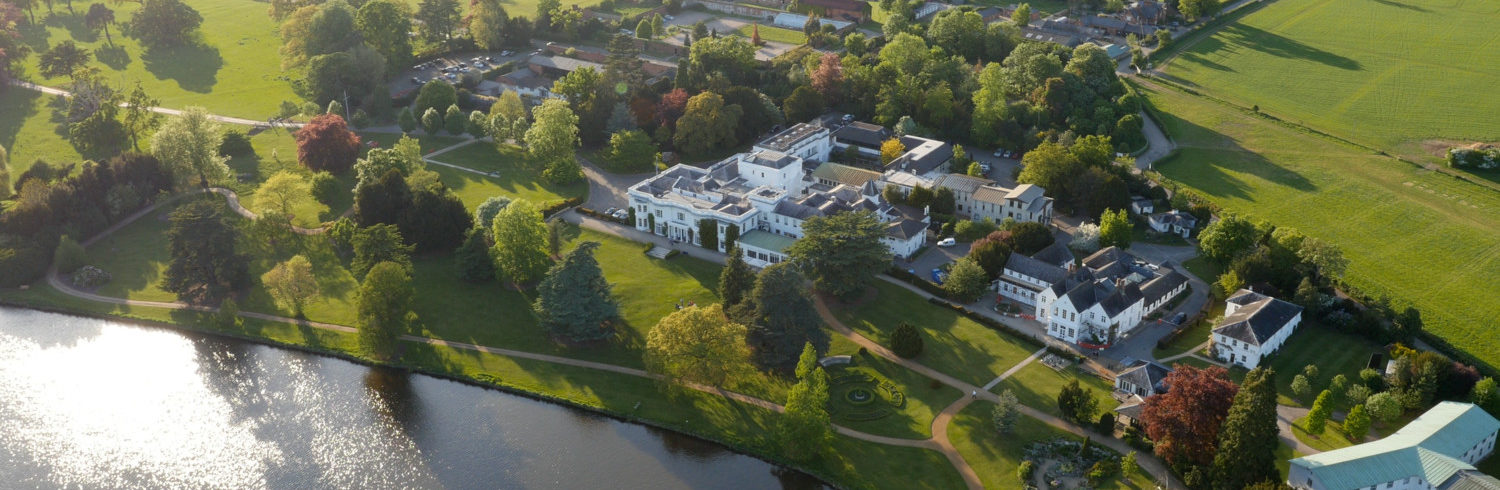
1098	301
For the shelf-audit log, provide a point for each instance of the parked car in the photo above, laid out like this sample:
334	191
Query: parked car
947	242
1179	318
984	167
668	17
621	214
938	276
848	118
999	153
416	80
506	53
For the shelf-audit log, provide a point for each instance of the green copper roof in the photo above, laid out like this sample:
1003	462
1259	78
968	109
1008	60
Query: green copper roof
1429	447
765	240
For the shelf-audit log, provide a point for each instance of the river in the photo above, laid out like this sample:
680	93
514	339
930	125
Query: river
90	403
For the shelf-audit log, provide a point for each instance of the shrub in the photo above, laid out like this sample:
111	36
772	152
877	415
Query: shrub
906	341
69	255
325	188
360	119
1106	424
970	230
235	143
21	261
89	277
1025	471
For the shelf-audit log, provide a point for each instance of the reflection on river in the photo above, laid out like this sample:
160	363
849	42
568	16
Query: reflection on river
89	403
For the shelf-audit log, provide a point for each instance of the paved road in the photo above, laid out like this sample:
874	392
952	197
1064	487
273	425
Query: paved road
1284	417
1160	144
160	110
609	190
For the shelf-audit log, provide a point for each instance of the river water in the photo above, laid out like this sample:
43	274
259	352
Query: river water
89	403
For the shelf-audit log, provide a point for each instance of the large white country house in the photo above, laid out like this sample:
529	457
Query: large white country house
1254	326
1096	302
766	194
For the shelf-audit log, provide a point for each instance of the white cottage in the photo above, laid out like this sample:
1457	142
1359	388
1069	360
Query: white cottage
1254	326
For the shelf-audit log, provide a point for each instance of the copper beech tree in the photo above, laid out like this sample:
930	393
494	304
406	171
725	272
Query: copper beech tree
1184	422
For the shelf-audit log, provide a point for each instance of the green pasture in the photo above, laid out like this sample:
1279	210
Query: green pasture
1409	233
1391	74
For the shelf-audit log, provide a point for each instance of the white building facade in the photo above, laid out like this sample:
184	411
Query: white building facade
1254	326
1105	298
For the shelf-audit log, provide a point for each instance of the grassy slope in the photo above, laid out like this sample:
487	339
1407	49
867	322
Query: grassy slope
1385	73
235	71
953	344
1037	386
29	131
995	457
1410	234
514	180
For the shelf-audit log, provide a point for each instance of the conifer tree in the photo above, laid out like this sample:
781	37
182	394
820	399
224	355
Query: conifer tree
1248	437
574	301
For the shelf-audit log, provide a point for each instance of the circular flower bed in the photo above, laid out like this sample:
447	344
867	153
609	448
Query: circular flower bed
859	396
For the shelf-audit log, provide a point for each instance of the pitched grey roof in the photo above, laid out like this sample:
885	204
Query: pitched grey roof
1056	254
1257	321
1031	267
1175	217
1147	373
1471	480
906	229
1162	285
962	184
1113	298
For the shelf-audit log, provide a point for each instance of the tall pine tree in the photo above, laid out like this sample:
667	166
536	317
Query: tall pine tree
807	429
574	301
736	280
1248	438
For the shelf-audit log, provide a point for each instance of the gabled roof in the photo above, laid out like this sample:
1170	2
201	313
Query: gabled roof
905	229
1147	374
1175	217
1428	447
1031	267
1111	297
1056	254
1471	480
845	174
1162	285
1257	321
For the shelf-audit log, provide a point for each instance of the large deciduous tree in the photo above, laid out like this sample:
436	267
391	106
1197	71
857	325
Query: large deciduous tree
375	244
784	318
632	151
384	25
62	59
438	19
804	104
163	23
1114	229
1077	403
552	140
283	194
706	124
520	242
1249	436
967	281
1227	238
189	145
828	78
1184	422
204	266
326	144
842	252
574	302
436	95
384	309
487	21
697	344
291	283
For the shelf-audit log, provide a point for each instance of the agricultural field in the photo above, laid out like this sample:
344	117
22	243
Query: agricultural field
1409	234
1397	75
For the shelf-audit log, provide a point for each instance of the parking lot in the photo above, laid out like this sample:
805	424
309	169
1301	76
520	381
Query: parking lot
453	66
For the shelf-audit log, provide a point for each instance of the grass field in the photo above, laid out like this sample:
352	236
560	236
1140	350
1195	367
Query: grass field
1391	74
1037	385
1409	234
1310	345
514	179
28	130
775	34
234	71
1333	436
953	344
995	457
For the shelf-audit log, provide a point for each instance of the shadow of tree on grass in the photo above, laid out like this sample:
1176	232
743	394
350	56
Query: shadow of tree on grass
195	67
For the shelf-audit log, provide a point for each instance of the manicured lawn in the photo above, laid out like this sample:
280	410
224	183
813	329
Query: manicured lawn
1333	436
995	456
1196	333
1140	233
1409	234
954	344
775	34
1332	351
1205	269
923	401
515	180
1389	74
29	130
1037	385
235	71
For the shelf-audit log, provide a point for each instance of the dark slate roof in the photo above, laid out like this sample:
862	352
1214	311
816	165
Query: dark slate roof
1131	408
773	159
1162	285
1147	373
1031	267
1257	321
905	229
922	155
862	134
991	12
1056	254
1113	298
1105	22
1106	256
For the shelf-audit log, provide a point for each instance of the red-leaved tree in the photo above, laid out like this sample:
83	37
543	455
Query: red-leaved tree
1184	422
828	78
326	144
671	107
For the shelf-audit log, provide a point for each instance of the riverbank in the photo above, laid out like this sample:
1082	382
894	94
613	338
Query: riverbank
738	426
